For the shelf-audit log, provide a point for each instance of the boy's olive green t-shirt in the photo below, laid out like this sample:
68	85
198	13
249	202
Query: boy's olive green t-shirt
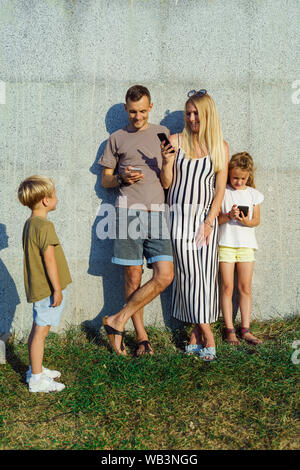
38	234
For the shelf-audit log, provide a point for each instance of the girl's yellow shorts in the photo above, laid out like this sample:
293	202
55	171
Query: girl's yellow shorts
228	254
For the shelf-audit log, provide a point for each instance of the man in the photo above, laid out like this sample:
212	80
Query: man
139	204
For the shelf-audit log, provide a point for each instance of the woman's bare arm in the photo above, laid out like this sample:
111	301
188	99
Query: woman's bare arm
166	173
221	180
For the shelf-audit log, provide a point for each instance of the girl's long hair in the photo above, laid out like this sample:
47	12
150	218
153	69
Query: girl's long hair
210	133
244	161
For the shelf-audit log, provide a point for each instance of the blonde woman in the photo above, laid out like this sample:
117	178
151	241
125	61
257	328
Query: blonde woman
196	175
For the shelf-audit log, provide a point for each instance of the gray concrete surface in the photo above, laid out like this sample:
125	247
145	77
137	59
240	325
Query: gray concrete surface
65	67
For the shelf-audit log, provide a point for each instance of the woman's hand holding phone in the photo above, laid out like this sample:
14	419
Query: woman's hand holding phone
167	151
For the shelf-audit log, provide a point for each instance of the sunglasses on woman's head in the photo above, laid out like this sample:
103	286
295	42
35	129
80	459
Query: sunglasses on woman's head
196	93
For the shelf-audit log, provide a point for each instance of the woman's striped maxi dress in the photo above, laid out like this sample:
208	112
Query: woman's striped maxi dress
195	297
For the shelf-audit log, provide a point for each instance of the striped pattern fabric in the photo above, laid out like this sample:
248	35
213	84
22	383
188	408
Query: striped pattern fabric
195	297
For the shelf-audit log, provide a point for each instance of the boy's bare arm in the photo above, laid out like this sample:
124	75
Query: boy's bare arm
52	271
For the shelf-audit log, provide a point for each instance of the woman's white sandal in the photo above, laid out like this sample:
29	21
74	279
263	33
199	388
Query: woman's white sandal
208	352
193	349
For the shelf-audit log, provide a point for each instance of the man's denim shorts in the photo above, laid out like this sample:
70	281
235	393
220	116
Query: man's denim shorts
141	233
44	314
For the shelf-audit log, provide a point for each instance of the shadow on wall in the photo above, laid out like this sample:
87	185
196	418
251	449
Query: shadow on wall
101	251
9	298
173	121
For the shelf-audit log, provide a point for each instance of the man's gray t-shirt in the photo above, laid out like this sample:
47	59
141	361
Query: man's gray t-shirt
139	149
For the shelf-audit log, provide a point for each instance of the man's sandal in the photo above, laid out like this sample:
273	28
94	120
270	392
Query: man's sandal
244	331
147	350
228	332
111	332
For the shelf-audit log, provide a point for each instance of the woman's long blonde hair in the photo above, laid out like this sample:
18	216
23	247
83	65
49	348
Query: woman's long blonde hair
210	133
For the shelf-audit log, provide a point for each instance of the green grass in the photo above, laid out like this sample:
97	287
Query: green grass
245	400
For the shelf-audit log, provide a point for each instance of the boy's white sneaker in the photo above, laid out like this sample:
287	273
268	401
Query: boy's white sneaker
52	374
45	385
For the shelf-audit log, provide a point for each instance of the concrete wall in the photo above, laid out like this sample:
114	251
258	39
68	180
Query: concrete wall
65	67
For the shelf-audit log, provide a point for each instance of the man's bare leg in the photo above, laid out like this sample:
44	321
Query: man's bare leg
133	277
141	333
163	274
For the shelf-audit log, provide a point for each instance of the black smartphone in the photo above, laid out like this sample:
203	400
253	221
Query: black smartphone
162	137
244	210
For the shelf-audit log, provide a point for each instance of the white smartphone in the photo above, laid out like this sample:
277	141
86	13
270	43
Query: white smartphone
133	168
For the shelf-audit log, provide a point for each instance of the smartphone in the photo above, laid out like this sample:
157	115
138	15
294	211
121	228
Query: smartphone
244	210
138	170
162	137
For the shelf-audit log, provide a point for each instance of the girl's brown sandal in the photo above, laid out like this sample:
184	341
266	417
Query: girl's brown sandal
243	331
228	332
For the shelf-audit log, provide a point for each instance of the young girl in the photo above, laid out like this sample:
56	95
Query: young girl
237	242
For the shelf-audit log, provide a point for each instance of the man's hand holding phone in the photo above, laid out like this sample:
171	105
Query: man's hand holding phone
131	175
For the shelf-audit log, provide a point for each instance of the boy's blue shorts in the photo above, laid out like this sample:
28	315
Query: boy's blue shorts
44	314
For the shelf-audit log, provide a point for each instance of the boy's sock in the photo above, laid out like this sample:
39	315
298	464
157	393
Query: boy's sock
52	374
36	377
30	369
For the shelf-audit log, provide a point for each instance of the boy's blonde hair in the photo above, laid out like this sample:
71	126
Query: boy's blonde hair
244	161
210	133
34	189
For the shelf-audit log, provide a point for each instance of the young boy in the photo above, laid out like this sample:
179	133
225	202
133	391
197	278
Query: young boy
46	276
